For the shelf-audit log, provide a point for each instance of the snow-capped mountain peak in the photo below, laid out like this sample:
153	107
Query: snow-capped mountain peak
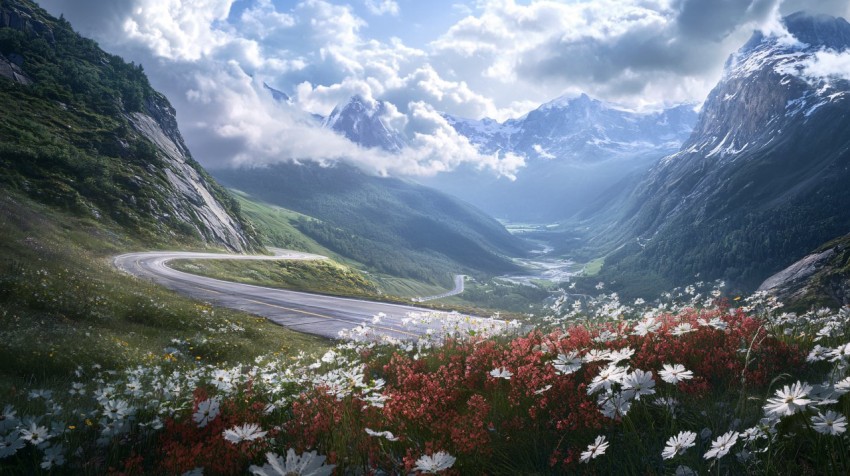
362	121
766	87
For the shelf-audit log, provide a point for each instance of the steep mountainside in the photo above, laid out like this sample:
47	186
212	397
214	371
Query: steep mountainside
83	131
762	180
392	226
574	148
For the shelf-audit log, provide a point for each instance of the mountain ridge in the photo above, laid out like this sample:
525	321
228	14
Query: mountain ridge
760	181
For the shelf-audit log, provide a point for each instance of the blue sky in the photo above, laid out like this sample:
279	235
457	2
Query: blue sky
498	59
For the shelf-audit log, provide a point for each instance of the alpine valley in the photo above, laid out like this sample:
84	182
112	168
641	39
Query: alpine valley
356	269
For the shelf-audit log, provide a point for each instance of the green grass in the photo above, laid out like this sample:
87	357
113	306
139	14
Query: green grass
277	226
63	304
321	276
405	287
593	267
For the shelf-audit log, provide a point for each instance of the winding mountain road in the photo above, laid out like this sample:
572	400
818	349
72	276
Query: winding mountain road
304	312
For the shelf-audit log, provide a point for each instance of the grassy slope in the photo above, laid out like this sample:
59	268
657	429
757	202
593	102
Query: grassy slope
323	277
62	304
277	225
389	226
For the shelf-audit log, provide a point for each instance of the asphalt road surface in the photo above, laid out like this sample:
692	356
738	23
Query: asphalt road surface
304	312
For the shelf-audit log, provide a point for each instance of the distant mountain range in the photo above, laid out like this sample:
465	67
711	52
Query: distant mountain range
575	147
581	129
762	180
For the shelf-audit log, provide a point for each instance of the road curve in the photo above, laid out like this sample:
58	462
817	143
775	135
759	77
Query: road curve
304	312
454	292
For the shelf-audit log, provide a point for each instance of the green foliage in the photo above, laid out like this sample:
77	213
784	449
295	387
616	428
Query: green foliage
75	71
504	296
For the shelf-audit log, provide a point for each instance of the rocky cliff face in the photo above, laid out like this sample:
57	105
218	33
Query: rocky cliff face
111	146
191	196
821	278
25	17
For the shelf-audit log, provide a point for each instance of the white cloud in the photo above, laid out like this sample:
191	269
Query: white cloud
178	30
542	152
634	52
382	7
827	64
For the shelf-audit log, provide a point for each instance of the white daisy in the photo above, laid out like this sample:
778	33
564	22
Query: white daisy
207	412
595	355
597	448
435	463
639	382
721	446
817	354
10	444
117	409
625	353
542	390
615	405
501	372
307	464
382	434
789	400
839	353
53	456
8	419
678	444
246	432
831	423
645	327
675	373
682	329
35	434
842	386
607	376
566	364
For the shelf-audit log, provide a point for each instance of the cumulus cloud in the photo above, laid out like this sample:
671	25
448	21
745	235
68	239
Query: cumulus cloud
502	59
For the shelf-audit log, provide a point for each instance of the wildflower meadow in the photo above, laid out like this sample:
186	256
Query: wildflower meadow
696	383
